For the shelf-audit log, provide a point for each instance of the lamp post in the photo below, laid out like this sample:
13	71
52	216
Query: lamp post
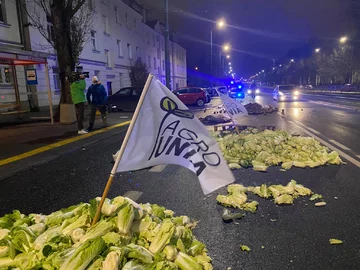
220	24
167	46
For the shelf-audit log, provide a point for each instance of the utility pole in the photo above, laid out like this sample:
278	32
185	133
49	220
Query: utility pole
167	45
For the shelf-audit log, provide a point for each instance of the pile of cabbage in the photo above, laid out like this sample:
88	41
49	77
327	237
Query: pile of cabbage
237	195
128	236
268	148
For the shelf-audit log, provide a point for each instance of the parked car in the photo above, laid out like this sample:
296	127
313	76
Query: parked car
125	99
208	95
286	93
192	95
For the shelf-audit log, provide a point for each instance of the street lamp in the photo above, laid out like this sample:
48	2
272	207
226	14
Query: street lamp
226	47
196	68
317	50
343	39
220	24
229	63
292	60
263	71
228	56
280	65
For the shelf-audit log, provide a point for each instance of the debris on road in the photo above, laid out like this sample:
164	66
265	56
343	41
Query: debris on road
315	197
237	195
320	204
228	215
128	236
245	248
335	241
214	120
270	148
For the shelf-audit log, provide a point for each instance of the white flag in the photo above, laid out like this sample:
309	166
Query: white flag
233	107
166	132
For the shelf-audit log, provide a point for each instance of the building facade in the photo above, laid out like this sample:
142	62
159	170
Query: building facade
119	36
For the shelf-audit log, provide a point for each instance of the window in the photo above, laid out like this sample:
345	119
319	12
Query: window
130	51
154	62
137	52
126	19
163	64
106	24
116	14
93	40
2	12
121	78
56	78
149	62
108	58
119	48
50	29
97	73
124	92
6	76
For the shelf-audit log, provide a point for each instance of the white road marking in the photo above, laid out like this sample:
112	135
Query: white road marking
346	156
340	145
358	156
134	195
158	168
334	105
309	128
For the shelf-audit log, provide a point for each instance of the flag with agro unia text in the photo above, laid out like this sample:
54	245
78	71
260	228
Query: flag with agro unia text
166	132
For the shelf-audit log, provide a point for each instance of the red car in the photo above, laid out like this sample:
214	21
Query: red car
192	95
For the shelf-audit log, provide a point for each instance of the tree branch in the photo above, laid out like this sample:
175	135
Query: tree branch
77	7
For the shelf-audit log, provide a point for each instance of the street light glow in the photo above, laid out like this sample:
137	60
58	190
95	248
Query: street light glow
317	50
280	65
221	23
228	56
343	39
229	63
263	71
196	68
292	60
226	47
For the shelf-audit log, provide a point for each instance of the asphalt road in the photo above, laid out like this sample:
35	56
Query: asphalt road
298	239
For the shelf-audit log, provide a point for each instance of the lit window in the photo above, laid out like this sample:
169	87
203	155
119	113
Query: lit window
6	76
93	40
56	78
119	47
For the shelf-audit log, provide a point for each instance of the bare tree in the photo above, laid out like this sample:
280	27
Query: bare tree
342	62
138	73
71	21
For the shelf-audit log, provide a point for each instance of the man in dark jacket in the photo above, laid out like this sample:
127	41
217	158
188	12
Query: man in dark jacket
97	97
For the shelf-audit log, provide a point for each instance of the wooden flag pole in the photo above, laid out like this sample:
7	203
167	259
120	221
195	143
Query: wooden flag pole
122	149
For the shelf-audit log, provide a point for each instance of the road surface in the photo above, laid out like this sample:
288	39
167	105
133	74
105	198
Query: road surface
293	237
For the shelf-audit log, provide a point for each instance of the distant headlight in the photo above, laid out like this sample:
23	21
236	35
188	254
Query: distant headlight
282	98
295	97
296	93
257	91
113	107
249	91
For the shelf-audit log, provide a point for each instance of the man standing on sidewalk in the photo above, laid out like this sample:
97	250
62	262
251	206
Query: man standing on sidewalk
97	98
77	89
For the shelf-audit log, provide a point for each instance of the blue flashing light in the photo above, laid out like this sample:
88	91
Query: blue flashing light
239	95
232	82
240	86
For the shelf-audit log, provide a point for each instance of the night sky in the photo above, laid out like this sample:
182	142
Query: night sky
258	31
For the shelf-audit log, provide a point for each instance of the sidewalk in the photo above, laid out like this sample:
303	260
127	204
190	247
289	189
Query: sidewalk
24	146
